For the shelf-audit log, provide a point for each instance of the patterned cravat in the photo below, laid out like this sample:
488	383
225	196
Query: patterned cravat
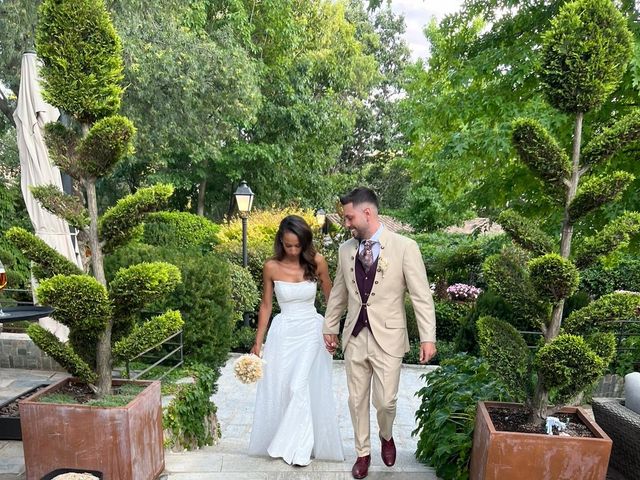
366	255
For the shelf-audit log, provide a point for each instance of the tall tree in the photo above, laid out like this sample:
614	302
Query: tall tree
459	108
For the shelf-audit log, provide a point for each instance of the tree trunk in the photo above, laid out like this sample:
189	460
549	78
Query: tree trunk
541	399
202	191
103	354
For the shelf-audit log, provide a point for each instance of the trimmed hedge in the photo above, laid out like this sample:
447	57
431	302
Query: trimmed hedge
597	191
585	54
506	351
119	223
109	140
180	230
525	233
616	234
598	315
612	139
68	207
568	365
147	334
553	277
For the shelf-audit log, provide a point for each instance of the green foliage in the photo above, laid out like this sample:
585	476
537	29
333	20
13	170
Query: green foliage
62	143
598	315
600	279
446	416
138	285
585	52
508	277
49	260
243	339
190	417
525	232
80	301
118	223
541	153
614	235
568	365
62	353
449	317
612	140
603	344
65	206
179	230
244	292
148	334
445	351
108	141
79	46
553	277
203	298
597	191
507	353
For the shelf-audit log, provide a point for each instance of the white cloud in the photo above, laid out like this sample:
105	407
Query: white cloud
417	14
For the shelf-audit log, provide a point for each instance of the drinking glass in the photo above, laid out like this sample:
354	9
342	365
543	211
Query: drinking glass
3	283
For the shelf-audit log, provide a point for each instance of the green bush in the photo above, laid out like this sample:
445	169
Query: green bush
243	339
244	291
446	416
258	254
180	230
148	334
190	419
203	298
449	317
445	350
599	314
553	277
567	366
506	351
525	233
600	279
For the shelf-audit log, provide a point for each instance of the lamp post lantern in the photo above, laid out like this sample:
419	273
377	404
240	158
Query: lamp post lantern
244	198
321	218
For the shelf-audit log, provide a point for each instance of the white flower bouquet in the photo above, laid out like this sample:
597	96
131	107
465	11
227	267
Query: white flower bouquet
248	368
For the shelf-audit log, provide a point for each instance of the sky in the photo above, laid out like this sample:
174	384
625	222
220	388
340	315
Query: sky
417	14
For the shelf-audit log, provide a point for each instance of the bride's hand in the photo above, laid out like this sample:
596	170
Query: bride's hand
256	349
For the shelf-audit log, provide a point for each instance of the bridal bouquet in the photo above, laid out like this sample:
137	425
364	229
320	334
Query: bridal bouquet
248	368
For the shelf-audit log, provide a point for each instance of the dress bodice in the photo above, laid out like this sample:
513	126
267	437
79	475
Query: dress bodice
296	297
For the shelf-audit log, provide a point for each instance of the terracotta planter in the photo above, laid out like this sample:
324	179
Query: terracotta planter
124	443
497	455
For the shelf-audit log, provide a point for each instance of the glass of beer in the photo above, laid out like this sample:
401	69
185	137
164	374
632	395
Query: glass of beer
3	283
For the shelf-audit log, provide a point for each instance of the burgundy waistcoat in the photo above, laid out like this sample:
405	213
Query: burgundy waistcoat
365	285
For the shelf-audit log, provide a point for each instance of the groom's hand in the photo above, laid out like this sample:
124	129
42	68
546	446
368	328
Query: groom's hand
331	342
427	351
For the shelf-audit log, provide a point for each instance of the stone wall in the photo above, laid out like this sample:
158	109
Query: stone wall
17	350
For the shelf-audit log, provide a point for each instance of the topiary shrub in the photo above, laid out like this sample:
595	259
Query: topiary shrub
204	298
244	292
446	416
599	279
585	53
506	351
180	230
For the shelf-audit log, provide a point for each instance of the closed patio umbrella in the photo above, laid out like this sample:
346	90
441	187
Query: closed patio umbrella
31	115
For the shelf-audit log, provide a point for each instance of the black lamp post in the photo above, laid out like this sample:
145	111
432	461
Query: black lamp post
244	199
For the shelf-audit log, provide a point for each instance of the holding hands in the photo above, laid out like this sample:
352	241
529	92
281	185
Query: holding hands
331	342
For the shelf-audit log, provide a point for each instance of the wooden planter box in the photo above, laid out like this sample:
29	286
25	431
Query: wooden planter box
123	443
497	455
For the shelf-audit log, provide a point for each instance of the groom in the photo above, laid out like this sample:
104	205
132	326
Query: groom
375	268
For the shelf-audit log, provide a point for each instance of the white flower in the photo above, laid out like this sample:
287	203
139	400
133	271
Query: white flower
382	264
248	368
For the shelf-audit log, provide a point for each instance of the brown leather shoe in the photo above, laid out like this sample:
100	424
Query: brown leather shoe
388	451
361	467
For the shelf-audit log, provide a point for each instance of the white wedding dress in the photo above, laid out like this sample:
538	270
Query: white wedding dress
295	415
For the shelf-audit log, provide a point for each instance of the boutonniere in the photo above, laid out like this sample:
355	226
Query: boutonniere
382	264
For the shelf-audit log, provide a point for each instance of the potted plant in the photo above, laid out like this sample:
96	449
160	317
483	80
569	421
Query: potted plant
82	70
585	53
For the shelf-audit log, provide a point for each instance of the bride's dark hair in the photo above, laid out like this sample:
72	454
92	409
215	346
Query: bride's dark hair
296	225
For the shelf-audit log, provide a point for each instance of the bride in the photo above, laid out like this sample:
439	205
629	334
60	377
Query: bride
295	416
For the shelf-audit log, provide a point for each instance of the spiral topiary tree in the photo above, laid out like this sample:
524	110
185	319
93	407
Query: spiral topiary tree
82	71
585	53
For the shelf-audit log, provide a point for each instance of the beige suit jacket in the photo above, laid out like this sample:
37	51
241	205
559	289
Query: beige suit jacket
400	269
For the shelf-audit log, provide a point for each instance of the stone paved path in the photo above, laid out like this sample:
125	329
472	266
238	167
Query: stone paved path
227	460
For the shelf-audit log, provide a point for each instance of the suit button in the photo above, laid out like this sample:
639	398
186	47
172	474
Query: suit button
376	282
353	281
352	269
368	304
373	294
353	258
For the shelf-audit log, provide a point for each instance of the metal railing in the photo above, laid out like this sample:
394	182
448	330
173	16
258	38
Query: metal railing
149	353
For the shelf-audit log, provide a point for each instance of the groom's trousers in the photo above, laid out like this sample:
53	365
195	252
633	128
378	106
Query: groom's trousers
371	373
